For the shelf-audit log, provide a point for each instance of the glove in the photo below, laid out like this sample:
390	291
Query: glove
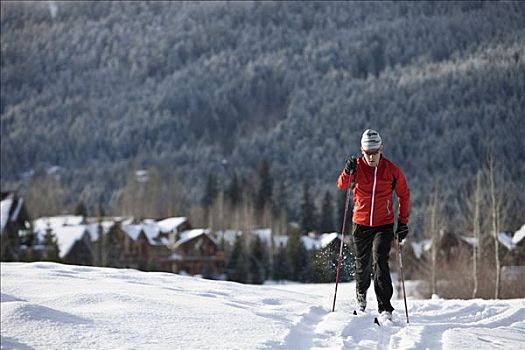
351	165
401	231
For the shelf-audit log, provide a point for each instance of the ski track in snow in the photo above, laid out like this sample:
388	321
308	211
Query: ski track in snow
53	306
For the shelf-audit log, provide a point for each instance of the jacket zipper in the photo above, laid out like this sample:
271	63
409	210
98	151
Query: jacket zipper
373	195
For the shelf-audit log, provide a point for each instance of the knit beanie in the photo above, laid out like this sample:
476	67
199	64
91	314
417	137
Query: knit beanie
371	141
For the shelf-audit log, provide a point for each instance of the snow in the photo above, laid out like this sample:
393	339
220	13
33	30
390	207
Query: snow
506	240
265	235
188	235
519	235
54	306
55	222
420	247
228	236
16	212
280	240
170	224
67	236
93	229
5	207
316	243
472	241
132	230
151	230
310	243
326	238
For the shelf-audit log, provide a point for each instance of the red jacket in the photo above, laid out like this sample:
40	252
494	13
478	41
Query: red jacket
373	189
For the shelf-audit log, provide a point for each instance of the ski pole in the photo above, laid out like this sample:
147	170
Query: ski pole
341	247
402	277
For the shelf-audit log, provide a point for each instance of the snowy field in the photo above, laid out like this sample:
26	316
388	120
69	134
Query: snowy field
54	306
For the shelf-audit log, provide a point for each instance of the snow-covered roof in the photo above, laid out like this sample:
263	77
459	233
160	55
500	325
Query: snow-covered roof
67	236
127	221
54	222
188	235
151	230
506	240
132	230
14	216
518	235
171	224
5	207
420	247
280	240
264	234
310	243
320	242
229	236
326	238
93	229
472	241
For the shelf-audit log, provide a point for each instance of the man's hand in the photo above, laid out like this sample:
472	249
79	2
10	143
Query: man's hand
402	231
351	165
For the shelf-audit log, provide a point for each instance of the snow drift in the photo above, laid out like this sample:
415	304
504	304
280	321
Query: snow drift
54	306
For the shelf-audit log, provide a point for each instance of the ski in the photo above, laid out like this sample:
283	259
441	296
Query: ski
376	321
382	321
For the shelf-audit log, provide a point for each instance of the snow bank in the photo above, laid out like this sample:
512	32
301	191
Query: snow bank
54	306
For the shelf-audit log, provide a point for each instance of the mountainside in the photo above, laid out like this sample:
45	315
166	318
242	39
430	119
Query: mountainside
103	88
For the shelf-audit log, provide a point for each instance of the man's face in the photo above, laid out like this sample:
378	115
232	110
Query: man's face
372	157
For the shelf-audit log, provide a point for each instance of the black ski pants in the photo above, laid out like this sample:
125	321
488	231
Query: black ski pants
372	249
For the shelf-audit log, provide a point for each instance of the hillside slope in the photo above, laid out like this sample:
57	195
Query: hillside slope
102	88
88	307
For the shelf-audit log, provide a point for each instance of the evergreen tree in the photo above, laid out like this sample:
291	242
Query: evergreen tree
210	195
300	262
100	210
28	239
308	212
52	249
327	214
211	192
265	189
326	260
280	200
281	265
81	209
234	192
111	250
259	263
237	268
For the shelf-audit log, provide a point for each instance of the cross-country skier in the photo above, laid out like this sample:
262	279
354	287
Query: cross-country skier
373	179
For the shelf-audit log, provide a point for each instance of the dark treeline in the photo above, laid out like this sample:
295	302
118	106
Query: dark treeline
101	89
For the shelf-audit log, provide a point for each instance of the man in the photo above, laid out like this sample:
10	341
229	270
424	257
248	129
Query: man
373	179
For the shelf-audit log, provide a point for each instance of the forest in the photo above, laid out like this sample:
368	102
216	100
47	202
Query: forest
232	108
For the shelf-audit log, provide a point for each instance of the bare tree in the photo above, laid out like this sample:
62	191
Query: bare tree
151	193
45	196
494	209
475	204
434	231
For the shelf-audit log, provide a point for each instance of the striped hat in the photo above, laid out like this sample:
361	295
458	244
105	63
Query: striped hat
371	140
